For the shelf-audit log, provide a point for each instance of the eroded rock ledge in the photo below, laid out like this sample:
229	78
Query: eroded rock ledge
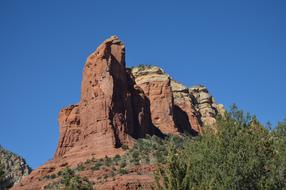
119	105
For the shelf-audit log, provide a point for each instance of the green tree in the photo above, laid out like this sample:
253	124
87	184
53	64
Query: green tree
2	173
240	154
278	163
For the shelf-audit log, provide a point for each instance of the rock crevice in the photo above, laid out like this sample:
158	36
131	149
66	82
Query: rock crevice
119	105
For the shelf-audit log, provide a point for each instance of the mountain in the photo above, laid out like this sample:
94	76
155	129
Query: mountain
12	168
119	105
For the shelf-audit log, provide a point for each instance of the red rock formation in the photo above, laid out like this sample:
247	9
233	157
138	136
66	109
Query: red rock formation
206	105
112	111
119	105
70	130
157	87
186	117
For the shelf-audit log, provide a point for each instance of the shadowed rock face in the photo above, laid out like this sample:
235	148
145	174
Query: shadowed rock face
119	105
112	111
174	107
186	117
157	87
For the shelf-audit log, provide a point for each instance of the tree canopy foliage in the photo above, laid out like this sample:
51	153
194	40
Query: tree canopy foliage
239	154
2	173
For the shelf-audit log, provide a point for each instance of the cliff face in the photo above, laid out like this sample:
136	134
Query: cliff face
119	105
112	112
14	168
174	107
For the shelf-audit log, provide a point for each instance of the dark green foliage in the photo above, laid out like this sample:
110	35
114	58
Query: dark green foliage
117	158
2	173
123	164
241	154
123	171
53	176
142	67
278	163
80	167
67	175
97	165
125	147
108	161
70	181
149	150
73	182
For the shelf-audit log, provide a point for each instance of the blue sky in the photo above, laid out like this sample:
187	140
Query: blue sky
236	48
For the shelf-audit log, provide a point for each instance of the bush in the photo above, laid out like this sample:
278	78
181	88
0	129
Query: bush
117	158
70	181
53	176
241	154
80	167
97	166
107	161
2	173
125	147
123	164
123	171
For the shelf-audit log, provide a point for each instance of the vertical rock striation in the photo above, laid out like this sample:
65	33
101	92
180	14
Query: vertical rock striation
156	85
186	117
206	105
119	105
112	111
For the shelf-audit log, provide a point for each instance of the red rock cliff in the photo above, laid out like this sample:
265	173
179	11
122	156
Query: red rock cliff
119	105
112	110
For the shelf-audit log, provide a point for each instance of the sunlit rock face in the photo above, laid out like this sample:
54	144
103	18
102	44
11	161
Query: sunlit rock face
119	105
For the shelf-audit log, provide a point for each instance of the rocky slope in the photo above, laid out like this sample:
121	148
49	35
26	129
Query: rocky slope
14	168
119	105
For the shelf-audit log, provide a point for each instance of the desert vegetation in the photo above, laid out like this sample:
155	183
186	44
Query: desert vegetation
1	172
69	180
240	154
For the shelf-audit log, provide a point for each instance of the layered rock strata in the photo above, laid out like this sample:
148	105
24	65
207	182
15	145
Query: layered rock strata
119	105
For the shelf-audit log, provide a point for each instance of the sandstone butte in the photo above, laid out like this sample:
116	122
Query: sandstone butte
119	105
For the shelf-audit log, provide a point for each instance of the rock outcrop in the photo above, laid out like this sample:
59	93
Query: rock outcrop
186	117
14	168
156	85
174	107
112	111
119	105
206	105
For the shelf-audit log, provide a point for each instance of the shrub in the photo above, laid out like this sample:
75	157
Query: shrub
53	176
80	167
125	147
116	158
107	161
96	166
123	164
2	173
123	171
70	181
241	154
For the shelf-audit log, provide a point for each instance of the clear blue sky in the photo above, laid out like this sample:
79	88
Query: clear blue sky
237	48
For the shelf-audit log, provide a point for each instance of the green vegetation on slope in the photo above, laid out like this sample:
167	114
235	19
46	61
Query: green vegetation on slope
1	172
12	168
240	154
69	181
